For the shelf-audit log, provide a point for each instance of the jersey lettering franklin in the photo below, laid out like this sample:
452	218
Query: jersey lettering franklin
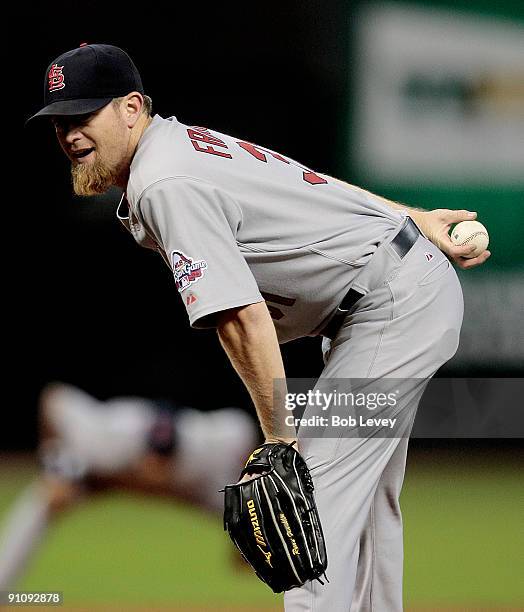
239	223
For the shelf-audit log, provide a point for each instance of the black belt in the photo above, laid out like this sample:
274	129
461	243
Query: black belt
401	244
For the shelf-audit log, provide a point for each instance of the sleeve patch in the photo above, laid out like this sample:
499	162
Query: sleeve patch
186	270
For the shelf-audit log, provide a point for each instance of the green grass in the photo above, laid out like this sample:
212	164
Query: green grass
464	534
127	549
463	541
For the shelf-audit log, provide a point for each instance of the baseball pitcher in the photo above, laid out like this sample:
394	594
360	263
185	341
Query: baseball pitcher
266	250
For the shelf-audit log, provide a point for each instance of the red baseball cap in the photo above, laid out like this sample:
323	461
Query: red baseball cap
87	78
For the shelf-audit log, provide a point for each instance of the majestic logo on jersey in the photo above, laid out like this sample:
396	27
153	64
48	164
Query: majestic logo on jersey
186	270
56	78
429	256
191	298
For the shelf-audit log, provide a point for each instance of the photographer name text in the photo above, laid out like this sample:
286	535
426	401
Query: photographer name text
338	421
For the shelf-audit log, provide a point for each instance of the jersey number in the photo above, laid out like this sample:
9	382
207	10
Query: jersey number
260	153
275	312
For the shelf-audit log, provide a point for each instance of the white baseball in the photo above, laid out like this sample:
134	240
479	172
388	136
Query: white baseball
471	232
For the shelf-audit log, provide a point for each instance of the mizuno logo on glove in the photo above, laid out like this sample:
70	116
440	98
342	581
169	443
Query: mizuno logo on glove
254	521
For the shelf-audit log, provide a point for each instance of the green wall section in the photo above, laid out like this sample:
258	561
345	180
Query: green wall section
500	208
511	9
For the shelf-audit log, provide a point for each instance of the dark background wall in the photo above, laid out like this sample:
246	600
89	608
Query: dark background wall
86	305
83	303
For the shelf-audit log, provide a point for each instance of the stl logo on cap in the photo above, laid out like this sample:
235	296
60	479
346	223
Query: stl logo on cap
56	78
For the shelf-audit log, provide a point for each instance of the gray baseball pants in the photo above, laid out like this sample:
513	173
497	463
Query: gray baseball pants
406	326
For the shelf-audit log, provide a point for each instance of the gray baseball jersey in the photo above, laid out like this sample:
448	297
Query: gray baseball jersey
239	223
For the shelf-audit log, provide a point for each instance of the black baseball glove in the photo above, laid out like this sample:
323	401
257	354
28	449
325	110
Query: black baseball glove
273	519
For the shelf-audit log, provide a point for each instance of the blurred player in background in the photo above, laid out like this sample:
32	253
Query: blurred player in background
130	443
